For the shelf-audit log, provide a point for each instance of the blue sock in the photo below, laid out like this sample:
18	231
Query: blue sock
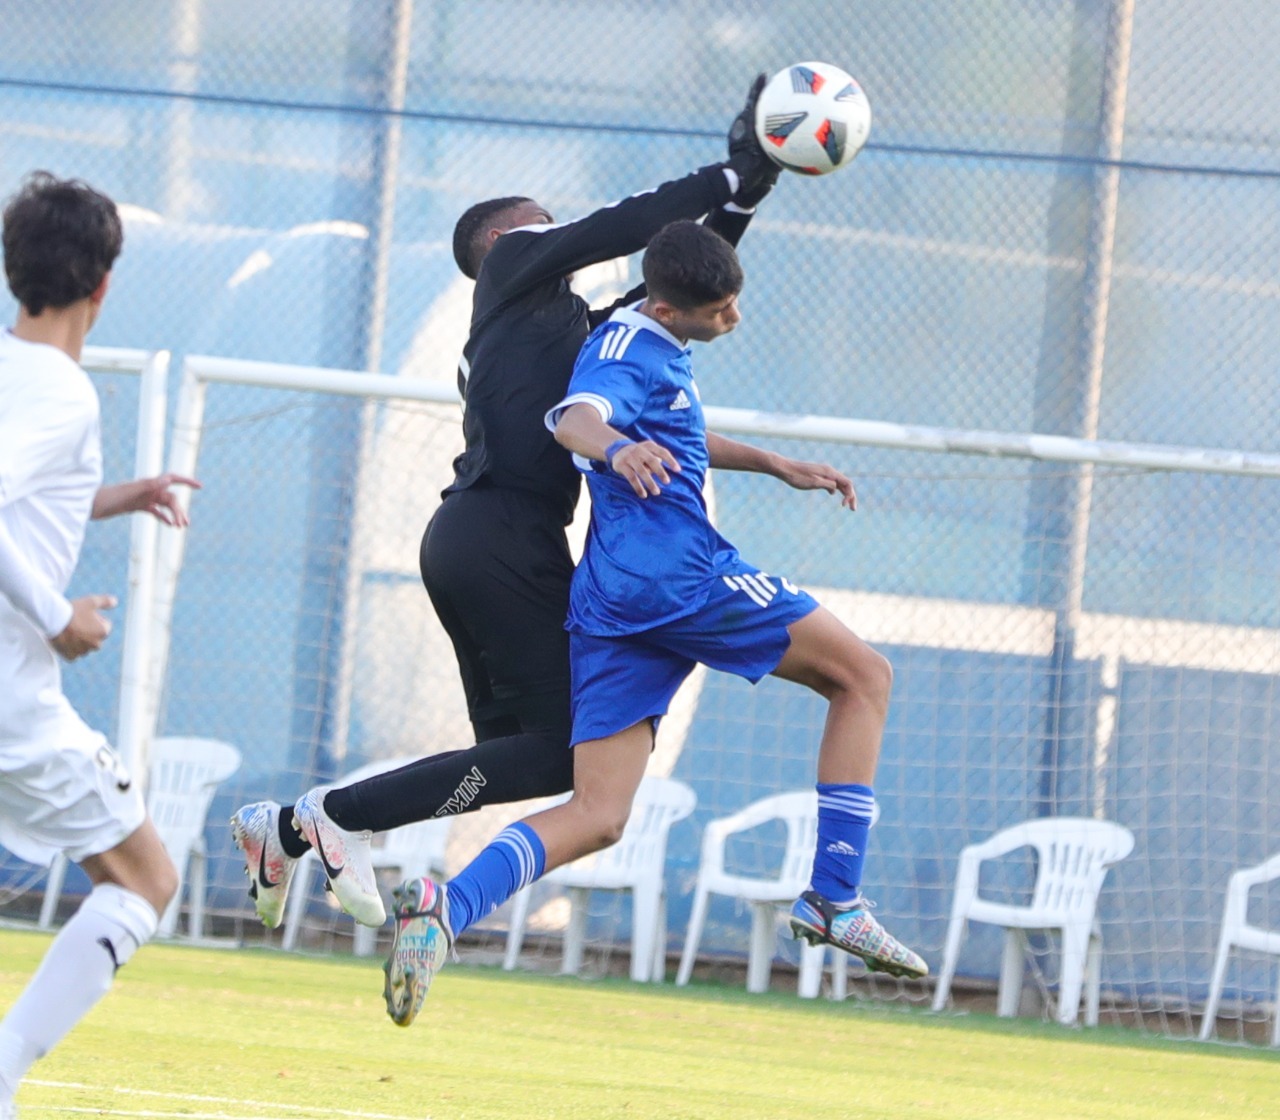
844	819
513	859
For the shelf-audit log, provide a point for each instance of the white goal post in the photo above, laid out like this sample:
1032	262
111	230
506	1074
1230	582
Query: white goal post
139	683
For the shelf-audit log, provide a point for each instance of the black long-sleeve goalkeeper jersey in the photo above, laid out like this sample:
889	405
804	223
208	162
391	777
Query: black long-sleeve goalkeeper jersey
527	326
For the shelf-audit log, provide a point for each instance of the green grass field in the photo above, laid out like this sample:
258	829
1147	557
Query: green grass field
201	1033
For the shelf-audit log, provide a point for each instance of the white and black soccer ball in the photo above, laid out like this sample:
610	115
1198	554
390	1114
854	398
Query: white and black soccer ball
812	118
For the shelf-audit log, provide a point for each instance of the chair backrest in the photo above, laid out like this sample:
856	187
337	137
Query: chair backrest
1074	856
642	851
182	776
1263	872
798	810
1235	911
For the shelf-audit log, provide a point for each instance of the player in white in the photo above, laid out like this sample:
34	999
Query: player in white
62	788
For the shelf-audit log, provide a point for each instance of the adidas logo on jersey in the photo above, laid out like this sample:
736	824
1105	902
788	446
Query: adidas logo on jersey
681	401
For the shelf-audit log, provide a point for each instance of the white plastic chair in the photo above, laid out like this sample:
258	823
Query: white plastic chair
1074	855
636	863
411	850
183	775
1238	933
799	811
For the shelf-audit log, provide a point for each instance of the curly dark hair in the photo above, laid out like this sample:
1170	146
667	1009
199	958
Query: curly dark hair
466	234
688	266
61	237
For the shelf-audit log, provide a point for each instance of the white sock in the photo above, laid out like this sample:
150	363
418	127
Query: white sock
76	972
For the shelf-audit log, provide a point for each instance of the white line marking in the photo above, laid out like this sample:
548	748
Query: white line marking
184	1114
323	1110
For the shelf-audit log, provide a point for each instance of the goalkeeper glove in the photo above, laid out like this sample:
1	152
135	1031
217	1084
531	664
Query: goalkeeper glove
756	170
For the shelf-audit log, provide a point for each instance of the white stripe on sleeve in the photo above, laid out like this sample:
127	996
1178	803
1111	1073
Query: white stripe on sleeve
601	404
742	585
760	586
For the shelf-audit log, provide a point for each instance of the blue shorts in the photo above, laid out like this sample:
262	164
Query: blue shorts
741	629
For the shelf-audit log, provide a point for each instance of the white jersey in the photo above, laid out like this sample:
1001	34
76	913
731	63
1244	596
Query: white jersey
50	470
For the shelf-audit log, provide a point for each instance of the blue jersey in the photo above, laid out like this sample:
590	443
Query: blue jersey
649	560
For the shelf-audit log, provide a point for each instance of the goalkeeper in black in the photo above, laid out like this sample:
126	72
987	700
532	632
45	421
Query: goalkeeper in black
495	559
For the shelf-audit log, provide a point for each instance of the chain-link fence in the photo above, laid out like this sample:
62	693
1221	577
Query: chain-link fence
1061	224
293	171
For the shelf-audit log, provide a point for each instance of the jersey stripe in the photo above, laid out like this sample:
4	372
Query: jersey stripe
739	584
761	588
630	333
615	343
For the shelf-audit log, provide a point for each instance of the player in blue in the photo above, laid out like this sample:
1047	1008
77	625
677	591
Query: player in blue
658	590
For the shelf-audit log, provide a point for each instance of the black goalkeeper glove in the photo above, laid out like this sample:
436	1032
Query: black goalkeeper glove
756	171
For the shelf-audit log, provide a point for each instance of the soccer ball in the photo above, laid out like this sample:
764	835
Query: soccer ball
812	118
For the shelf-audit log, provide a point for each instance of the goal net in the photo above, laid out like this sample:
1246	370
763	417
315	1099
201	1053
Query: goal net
1079	629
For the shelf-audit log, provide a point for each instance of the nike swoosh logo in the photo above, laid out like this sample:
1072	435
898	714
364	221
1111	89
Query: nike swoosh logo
329	869
262	867
111	950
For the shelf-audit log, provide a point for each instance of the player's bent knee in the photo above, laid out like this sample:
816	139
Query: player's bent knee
157	879
140	865
585	824
606	830
164	886
875	682
158	887
600	824
879	675
610	831
865	675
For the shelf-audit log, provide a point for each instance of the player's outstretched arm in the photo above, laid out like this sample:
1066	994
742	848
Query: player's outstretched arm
526	256
645	465
532	254
730	455
155	496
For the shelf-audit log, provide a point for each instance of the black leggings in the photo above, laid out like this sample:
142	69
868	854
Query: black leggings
497	772
497	567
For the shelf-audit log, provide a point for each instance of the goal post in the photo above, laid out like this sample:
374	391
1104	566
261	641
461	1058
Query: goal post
135	725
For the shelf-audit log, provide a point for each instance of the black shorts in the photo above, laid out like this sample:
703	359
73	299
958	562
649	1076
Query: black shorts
497	567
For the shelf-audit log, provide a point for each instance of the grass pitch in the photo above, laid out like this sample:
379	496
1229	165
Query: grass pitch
244	1035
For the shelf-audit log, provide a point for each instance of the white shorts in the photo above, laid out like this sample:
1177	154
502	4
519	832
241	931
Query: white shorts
77	800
